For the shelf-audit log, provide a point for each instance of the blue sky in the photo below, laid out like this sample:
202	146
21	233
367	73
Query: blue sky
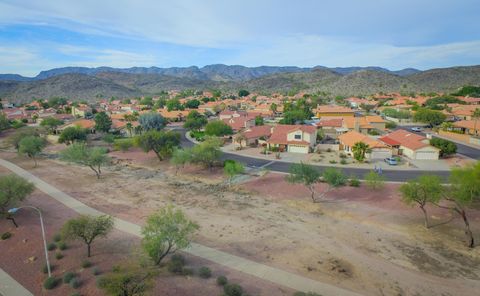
39	35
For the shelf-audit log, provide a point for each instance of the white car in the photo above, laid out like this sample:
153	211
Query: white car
416	129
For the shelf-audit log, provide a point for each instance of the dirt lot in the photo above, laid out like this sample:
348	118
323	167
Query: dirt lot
358	239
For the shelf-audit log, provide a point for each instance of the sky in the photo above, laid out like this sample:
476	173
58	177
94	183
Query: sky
40	35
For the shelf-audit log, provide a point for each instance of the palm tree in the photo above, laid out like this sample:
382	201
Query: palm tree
359	150
475	116
129	127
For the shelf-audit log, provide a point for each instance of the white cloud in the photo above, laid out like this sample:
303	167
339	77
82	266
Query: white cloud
306	50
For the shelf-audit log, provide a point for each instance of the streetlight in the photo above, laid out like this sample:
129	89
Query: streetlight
14	210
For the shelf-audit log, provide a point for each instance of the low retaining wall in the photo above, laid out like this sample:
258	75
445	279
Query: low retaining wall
454	136
325	147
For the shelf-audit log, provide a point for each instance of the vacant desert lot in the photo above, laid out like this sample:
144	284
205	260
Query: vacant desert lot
357	239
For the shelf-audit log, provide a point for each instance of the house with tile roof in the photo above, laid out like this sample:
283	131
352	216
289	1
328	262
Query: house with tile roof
412	145
293	138
255	134
333	110
377	149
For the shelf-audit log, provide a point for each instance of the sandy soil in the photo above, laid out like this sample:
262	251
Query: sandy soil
358	239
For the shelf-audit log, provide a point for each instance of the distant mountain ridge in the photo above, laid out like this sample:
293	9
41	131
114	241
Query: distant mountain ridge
103	82
217	72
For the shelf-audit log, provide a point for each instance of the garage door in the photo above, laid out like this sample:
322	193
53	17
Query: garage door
297	149
426	155
380	154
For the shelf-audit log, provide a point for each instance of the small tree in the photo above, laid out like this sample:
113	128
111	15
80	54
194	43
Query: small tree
165	232
79	153
195	121
446	147
374	180
243	93
127	280
232	168
31	146
218	128
334	178
87	228
152	121
207	153
305	174
258	120
240	138
161	142
72	134
424	189
180	157
15	139
13	189
463	192
103	122
359	150
4	124
51	123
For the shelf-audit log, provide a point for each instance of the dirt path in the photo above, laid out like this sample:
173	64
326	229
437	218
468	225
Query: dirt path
262	271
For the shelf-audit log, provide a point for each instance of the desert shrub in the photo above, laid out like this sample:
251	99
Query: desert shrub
96	271
50	283
187	271
222	280
332	161
204	272
75	283
51	246
178	258
175	266
329	150
6	235
62	246
86	264
390	125
354	182
116	268
306	294
45	268
68	276
343	155
100	282
343	161
123	144
109	138
58	255
233	290
57	237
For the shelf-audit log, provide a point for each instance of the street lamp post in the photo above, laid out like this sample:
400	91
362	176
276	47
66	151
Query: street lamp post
14	210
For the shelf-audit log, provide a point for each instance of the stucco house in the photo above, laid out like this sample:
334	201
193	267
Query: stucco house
411	145
293	138
377	149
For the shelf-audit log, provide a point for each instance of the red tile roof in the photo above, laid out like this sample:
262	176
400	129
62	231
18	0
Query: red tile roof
406	139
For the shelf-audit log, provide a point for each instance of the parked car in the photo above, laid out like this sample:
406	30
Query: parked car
416	129
391	160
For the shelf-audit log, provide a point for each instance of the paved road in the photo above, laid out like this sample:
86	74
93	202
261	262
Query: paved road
461	148
10	287
282	166
265	272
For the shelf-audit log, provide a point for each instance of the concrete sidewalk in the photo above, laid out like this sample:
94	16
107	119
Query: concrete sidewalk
10	287
265	272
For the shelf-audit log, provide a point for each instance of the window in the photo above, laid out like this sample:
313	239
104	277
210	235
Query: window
298	137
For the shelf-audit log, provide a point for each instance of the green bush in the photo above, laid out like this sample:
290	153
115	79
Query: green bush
96	271
332	161
306	294
204	272
343	155
187	271
62	246
115	268
6	235
178	258
58	255
354	182
343	161
75	283
68	276
222	280
390	125
51	246
175	266
123	144
86	264
45	268
233	290
109	138
57	237
50	283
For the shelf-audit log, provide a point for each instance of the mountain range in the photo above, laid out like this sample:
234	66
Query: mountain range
78	83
